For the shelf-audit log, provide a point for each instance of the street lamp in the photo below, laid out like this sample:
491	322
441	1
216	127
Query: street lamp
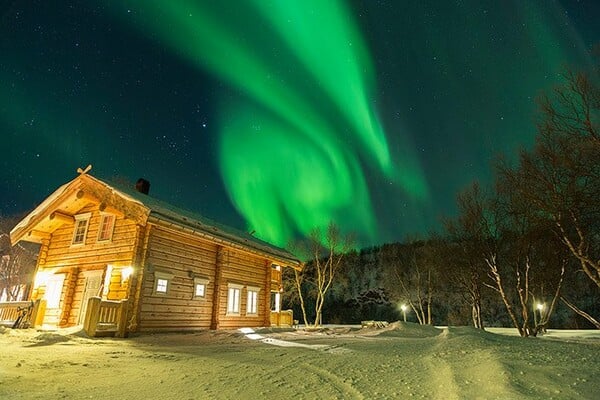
540	307
403	307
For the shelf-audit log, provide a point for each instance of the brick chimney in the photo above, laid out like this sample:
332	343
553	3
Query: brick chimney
142	186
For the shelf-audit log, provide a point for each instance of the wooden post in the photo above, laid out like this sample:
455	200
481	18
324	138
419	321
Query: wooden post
122	319
81	195
71	285
216	301
136	283
267	306
61	217
92	315
37	314
103	207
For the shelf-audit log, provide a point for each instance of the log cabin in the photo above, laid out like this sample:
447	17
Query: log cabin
163	268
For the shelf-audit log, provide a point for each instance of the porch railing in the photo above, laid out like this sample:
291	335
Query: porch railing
22	314
282	318
105	317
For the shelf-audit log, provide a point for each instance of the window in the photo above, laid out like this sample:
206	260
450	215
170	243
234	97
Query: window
81	226
200	287
162	285
252	304
107	224
162	282
233	299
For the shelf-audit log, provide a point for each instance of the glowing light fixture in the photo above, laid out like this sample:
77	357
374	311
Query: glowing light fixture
404	308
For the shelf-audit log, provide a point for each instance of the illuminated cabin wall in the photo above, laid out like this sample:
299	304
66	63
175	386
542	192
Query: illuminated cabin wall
186	256
58	255
248	270
182	254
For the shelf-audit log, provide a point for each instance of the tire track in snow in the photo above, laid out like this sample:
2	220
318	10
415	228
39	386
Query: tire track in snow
459	373
346	390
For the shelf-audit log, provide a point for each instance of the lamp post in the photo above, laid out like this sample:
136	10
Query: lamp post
403	308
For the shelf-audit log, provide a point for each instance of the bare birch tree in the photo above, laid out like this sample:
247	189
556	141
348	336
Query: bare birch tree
325	249
411	277
560	177
465	269
513	253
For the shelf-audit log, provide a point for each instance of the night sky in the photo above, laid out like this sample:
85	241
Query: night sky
279	116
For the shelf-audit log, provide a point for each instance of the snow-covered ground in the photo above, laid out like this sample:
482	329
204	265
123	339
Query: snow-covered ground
400	361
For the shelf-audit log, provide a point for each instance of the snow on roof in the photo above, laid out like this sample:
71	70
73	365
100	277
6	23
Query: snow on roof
185	218
167	213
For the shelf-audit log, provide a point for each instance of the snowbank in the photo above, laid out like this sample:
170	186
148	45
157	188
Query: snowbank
402	360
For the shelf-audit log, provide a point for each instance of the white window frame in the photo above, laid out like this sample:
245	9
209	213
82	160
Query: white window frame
159	278
252	300
200	282
110	230
276	301
80	218
234	298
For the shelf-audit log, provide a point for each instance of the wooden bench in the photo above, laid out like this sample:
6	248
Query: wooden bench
374	324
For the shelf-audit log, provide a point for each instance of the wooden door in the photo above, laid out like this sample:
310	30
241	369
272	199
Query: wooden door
93	284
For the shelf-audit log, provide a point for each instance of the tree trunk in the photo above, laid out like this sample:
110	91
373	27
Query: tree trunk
491	262
476	302
476	311
429	297
298	281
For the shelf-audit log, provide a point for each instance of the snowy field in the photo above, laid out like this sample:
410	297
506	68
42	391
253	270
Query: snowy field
401	361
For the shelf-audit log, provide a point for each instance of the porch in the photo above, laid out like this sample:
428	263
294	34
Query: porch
105	317
102	317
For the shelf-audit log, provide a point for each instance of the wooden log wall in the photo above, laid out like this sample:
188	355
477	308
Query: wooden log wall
119	250
219	282
68	294
187	256
247	270
117	288
137	282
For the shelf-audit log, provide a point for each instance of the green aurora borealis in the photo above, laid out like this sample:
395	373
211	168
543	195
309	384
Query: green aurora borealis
280	153
369	115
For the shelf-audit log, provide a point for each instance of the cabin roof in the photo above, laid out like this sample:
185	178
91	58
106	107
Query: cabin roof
172	214
162	213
